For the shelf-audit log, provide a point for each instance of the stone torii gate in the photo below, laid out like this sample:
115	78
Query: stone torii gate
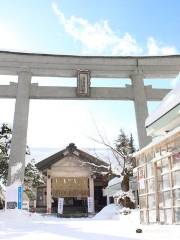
26	65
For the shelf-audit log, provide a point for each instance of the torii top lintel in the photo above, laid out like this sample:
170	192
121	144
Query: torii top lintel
100	66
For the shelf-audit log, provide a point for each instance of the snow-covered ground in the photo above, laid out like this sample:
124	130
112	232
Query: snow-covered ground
109	224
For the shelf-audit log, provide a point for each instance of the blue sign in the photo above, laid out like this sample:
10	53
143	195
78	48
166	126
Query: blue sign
20	191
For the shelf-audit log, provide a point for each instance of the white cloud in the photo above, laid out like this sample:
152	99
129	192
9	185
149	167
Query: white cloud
126	45
158	48
99	38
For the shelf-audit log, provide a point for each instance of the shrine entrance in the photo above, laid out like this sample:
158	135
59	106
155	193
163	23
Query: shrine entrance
75	191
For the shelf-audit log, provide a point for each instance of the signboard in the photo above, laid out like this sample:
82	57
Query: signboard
90	205
13	198
83	83
11	205
60	205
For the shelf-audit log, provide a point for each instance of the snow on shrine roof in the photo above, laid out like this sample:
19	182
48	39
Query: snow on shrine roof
71	149
170	101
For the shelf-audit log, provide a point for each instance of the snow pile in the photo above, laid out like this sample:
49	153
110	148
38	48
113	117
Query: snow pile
111	211
171	100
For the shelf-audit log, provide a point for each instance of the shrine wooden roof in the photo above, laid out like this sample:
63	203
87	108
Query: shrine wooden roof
96	164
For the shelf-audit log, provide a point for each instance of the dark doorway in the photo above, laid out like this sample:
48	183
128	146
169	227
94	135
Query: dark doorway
100	200
73	207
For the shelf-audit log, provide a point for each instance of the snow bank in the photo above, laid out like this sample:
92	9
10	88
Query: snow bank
112	211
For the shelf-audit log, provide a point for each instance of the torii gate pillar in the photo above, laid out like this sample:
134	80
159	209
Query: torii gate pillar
141	108
20	124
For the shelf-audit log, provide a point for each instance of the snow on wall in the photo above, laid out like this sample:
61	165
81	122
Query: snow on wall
171	100
157	141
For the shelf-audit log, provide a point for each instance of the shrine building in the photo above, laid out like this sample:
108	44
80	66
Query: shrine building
75	176
158	164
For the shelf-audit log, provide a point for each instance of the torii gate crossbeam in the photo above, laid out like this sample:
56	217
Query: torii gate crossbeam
27	65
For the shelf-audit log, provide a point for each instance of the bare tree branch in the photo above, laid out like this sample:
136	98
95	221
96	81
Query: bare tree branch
114	152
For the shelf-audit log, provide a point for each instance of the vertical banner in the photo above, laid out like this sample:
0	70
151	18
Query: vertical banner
60	205
90	205
20	193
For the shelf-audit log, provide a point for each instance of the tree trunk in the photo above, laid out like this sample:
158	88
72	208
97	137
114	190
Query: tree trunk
125	183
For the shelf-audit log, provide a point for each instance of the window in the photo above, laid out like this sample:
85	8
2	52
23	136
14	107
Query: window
41	199
176	197
176	160
160	199
152	216
177	215
167	199
142	201
164	150
141	181
159	175
151	185
171	147
142	159
176	178
137	161
149	156
158	152
151	201
161	213
159	182
177	143
149	169
165	181
158	166
165	165
143	216
141	186
168	216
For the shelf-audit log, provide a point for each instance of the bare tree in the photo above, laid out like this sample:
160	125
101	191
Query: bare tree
123	155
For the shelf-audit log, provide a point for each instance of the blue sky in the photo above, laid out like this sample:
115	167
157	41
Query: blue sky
103	27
